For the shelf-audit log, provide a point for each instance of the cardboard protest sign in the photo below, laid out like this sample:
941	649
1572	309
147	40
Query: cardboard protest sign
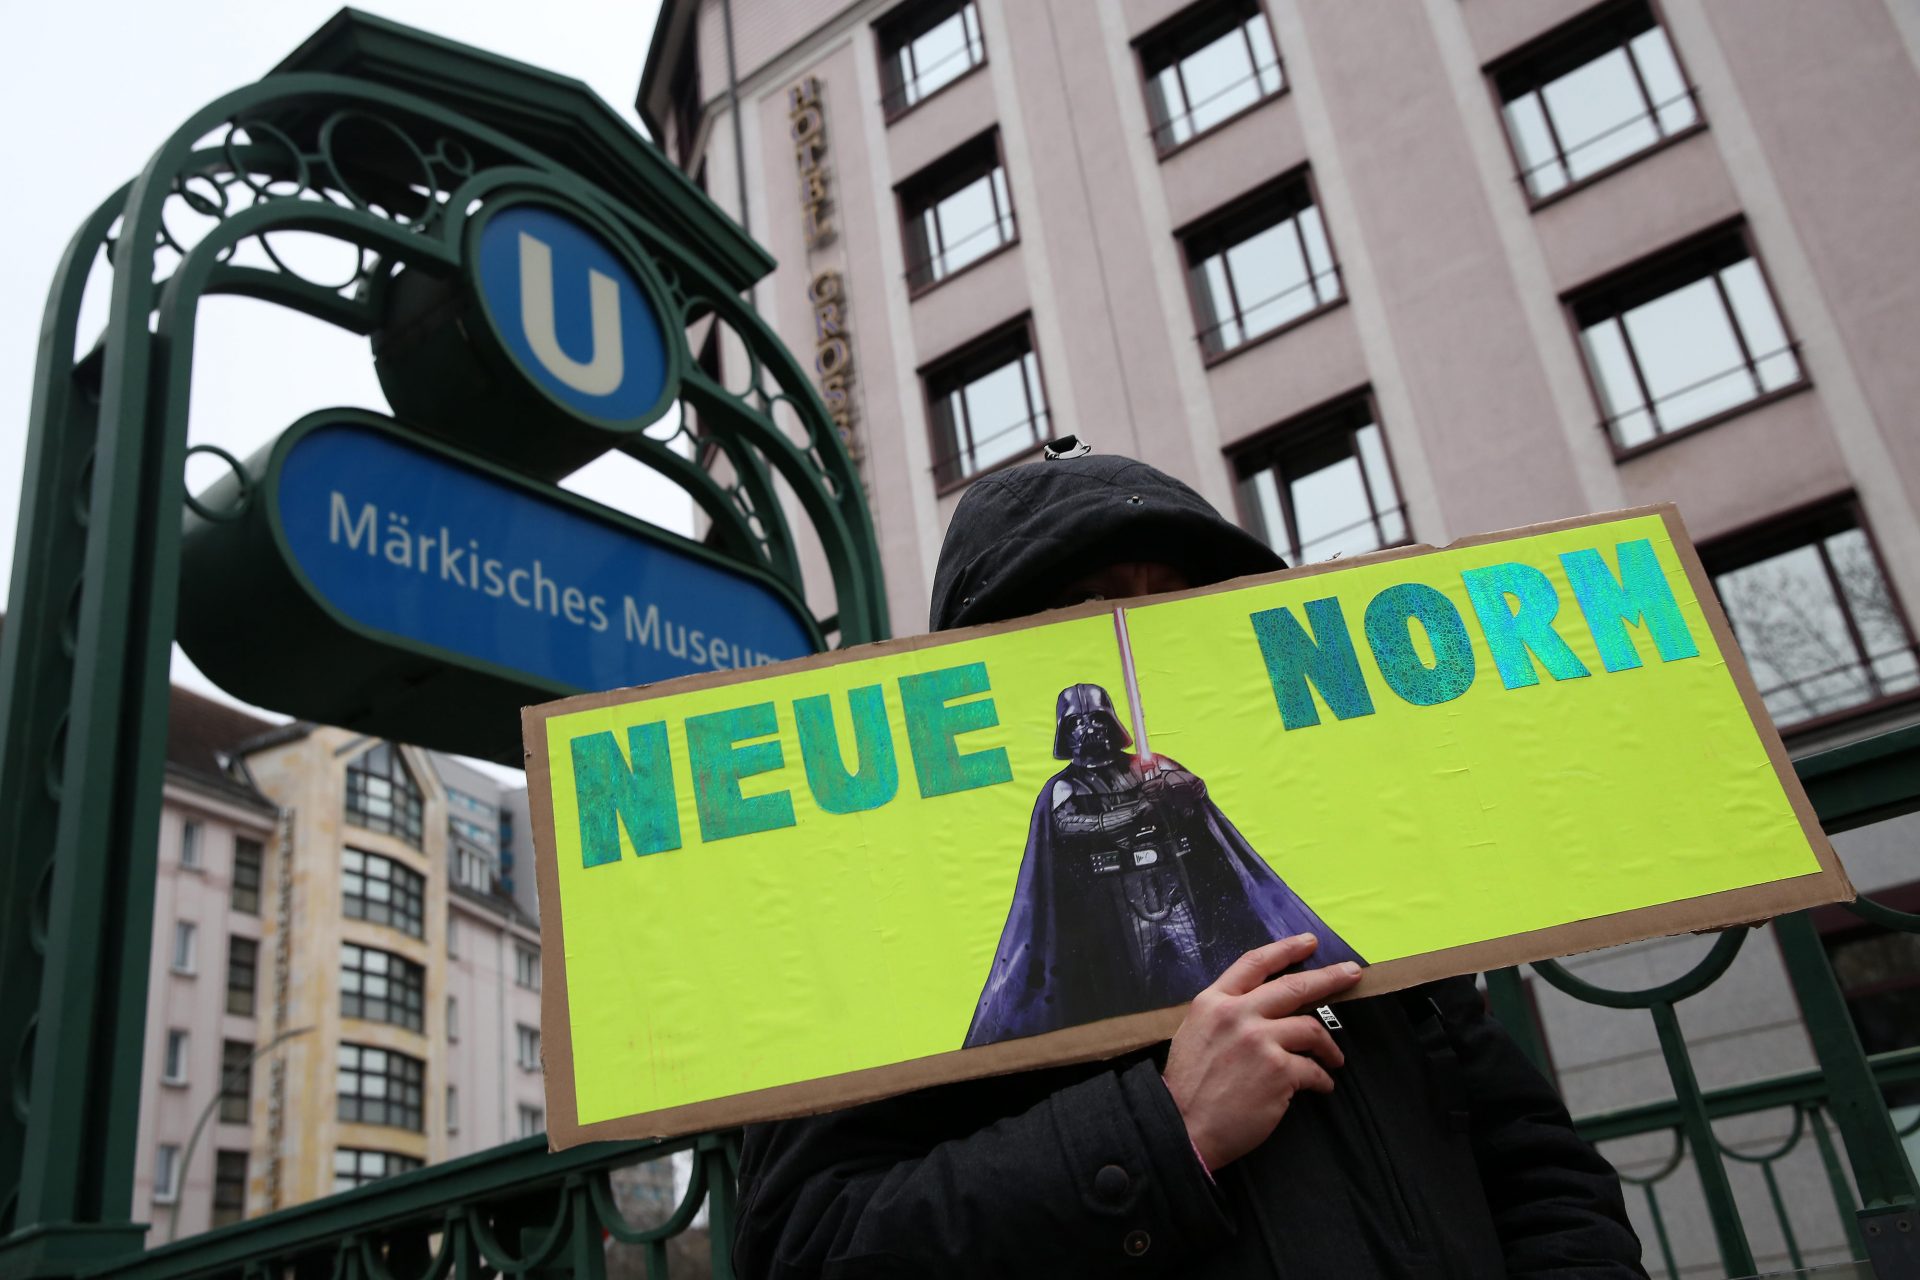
789	888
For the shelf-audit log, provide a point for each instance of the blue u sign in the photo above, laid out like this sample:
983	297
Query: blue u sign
576	317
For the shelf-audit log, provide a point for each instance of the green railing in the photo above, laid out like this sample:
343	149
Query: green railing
1802	1096
521	1211
517	1210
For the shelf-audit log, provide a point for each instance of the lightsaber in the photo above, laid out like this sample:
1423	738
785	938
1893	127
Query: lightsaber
1134	713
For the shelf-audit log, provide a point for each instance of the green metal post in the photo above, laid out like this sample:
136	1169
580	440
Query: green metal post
722	1205
1507	997
1735	1254
1843	1201
1660	1231
1889	1217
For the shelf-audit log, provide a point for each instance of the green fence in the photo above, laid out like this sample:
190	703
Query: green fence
519	1210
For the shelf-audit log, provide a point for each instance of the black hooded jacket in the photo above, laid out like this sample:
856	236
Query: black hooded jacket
1442	1152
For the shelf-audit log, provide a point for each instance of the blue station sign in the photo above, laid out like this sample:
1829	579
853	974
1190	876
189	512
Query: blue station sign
431	595
578	319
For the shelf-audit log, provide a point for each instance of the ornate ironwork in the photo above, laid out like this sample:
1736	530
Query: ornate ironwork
235	202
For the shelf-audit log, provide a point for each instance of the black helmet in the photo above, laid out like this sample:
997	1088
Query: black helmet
1083	700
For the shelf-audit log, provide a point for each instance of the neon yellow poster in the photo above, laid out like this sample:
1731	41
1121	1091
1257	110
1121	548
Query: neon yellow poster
774	891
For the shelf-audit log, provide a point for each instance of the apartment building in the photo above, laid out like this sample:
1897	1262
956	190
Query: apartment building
204	996
344	986
1366	275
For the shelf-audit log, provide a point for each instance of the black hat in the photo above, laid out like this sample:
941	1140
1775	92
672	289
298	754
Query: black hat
1018	535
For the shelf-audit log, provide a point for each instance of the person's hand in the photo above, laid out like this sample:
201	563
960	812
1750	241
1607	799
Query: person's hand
1242	1053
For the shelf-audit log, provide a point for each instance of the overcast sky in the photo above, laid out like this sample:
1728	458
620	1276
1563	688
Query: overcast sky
94	89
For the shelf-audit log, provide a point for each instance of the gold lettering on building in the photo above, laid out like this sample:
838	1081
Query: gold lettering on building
807	124
833	354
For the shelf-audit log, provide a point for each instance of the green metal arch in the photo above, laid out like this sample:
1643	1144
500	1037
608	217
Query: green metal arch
84	658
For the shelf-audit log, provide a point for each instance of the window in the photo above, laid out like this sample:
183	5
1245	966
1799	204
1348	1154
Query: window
1589	95
467	829
1814	615
1206	66
453	1020
236	1082
1878	970
190	845
956	212
243	975
173	1067
1321	485
382	795
166	1173
532	1120
924	47
379	1086
473	819
472	869
353	1167
1683	338
381	891
381	987
987	405
528	1040
453	937
229	1187
1259	264
186	946
248	856
453	1109
526	967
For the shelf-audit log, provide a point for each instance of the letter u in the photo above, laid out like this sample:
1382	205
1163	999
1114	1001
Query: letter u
603	373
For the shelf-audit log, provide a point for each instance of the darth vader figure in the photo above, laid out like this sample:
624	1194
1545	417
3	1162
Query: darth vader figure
1135	891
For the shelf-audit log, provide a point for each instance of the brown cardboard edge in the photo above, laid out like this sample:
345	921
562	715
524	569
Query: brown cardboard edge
1734	907
1072	613
1736	661
556	1017
1093	1041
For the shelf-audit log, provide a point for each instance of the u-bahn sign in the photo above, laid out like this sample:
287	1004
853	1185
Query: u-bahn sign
549	348
421	593
574	315
526	265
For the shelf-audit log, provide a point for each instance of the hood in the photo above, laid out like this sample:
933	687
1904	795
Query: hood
1021	534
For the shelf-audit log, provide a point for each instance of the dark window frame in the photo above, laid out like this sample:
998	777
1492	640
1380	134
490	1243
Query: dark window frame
236	1082
243	893
1632	283
902	25
243	975
1837	924
1554	48
402	893
1176	38
398	1163
966	363
404	1006
407	819
403	1072
1810	524
1237	221
1303	431
939	180
229	1190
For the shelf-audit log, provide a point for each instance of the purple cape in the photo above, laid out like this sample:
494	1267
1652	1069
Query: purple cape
1062	959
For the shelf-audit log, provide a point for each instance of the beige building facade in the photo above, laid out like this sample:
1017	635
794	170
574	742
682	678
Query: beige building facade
1372	273
344	985
1359	280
